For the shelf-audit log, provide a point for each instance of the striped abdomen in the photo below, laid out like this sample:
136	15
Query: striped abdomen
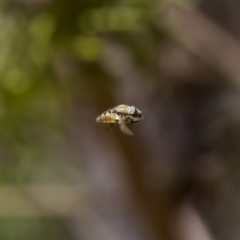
108	117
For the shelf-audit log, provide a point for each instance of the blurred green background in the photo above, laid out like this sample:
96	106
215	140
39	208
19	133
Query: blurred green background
50	54
50	51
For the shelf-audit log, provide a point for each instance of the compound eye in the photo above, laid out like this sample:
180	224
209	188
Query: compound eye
137	113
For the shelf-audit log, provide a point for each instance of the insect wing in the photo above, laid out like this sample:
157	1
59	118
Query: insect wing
125	129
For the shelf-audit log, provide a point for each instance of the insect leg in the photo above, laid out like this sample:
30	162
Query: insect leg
110	126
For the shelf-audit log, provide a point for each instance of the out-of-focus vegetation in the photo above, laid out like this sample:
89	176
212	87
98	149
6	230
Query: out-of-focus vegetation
46	51
37	39
32	229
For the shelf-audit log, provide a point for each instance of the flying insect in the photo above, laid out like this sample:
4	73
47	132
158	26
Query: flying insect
123	115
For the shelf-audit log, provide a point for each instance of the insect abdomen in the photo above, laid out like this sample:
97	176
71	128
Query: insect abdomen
108	117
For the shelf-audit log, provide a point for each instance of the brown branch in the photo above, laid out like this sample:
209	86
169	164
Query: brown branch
202	37
189	225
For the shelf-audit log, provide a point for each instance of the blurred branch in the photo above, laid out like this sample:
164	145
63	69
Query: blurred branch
202	37
189	225
100	228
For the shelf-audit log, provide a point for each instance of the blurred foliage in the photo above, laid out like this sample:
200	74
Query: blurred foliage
36	41
43	228
44	48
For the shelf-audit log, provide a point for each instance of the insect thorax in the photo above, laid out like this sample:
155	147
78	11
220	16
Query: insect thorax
124	109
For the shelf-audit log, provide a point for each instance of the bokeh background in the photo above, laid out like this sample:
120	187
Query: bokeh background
62	63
